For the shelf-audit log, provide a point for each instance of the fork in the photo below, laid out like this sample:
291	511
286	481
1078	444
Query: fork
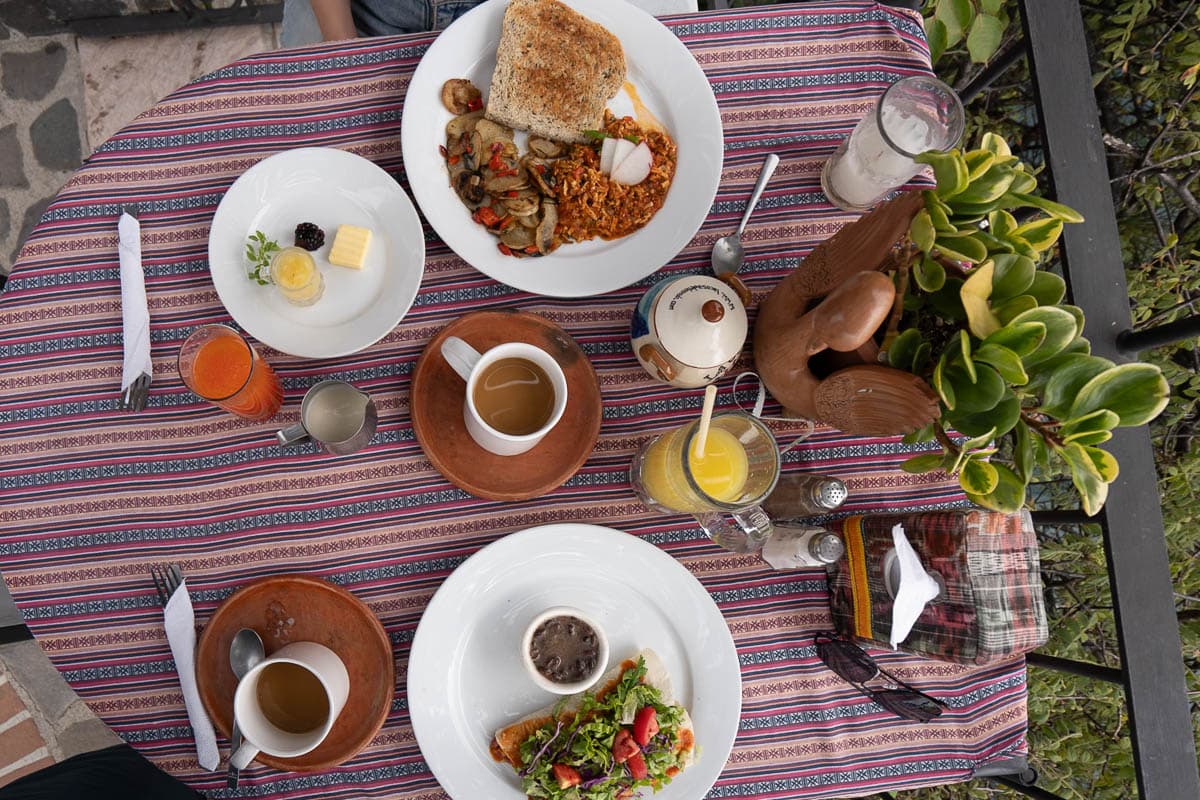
166	580
134	397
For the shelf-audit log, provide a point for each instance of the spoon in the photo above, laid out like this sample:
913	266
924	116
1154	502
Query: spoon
245	651
727	252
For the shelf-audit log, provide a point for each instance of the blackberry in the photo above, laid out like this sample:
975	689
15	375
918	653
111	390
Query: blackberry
309	236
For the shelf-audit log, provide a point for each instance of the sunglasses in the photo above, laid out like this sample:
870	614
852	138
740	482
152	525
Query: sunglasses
852	664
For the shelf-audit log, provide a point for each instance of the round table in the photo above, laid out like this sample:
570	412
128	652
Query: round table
90	496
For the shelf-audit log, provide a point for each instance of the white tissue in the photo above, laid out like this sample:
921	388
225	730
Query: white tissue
916	588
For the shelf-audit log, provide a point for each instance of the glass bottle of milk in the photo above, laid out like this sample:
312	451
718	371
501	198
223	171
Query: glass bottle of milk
915	114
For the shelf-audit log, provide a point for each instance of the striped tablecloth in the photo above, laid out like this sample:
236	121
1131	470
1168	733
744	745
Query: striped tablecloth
90	496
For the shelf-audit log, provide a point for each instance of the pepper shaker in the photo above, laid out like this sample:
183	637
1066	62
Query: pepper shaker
805	494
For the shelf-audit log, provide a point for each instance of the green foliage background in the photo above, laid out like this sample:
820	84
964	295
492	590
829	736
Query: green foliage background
1145	59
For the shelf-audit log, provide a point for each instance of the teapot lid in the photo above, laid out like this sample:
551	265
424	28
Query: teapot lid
700	321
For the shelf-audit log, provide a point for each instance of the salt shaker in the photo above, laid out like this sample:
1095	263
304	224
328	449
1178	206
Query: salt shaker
805	494
800	547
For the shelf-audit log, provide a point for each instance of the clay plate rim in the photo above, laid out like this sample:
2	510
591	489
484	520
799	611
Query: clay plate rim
220	709
520	325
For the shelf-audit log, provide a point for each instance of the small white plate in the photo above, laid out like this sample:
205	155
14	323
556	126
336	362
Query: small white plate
673	88
466	679
327	187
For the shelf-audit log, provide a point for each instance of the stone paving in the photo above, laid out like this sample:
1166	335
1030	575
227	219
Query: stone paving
41	129
61	96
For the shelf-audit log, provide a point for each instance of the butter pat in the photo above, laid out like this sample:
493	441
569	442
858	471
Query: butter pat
350	246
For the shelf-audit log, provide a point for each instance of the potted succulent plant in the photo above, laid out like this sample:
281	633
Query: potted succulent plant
992	350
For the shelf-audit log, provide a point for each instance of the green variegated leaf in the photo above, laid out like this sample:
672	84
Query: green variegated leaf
982	394
1047	288
1104	462
1077	313
939	216
921	231
1041	233
979	440
964	343
903	348
1012	275
988	187
1087	437
1058	210
993	423
1021	338
978	162
1092	488
995	246
1021	246
1023	455
1043	372
1094	428
921	359
1070	376
929	274
1023	183
961	248
949	170
978	477
1060	331
1006	362
926	462
1007	497
1001	223
994	143
1009	310
941	385
919	435
1135	392
975	292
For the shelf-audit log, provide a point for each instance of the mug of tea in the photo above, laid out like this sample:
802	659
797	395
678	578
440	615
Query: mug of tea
516	393
338	417
286	705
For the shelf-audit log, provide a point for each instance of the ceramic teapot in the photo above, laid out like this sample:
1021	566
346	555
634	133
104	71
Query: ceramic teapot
688	331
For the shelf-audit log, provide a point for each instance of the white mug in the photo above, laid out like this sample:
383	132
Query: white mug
469	363
260	734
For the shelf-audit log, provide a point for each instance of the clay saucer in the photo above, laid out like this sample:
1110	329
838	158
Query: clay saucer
299	608
437	410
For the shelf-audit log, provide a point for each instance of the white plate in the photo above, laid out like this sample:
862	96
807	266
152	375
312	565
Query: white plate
327	187
673	88
466	679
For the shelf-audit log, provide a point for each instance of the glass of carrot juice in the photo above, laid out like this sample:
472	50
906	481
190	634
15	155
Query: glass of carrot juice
219	365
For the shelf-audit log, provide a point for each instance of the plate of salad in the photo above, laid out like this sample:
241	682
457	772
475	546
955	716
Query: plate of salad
660	723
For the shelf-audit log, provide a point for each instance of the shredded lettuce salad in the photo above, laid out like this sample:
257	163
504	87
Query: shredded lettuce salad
586	741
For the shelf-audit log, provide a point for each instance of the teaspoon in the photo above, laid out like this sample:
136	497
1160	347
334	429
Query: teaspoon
245	651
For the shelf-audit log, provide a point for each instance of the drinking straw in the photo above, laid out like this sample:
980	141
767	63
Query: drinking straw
710	397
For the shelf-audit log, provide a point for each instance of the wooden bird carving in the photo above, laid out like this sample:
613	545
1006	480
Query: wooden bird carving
814	338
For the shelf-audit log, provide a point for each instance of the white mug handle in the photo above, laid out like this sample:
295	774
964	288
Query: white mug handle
460	356
240	759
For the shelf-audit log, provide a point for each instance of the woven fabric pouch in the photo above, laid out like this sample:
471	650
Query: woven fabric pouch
991	606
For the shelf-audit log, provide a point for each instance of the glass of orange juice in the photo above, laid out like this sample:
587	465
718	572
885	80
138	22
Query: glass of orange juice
734	474
219	365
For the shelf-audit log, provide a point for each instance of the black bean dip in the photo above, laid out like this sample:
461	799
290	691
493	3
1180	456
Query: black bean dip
564	649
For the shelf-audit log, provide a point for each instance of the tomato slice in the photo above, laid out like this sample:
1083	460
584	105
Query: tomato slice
567	776
624	747
645	725
637	766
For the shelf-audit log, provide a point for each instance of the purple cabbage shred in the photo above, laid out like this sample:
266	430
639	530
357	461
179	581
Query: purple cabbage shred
533	761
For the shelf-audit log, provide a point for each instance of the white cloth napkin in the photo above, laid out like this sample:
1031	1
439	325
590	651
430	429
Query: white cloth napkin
135	316
916	588
181	634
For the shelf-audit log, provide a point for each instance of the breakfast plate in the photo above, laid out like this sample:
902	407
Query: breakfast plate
328	187
466	679
670	84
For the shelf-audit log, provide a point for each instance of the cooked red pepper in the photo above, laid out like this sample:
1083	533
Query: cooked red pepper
511	193
505	222
504	173
475	104
645	725
532	250
453	159
624	747
637	766
567	776
495	164
487	216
